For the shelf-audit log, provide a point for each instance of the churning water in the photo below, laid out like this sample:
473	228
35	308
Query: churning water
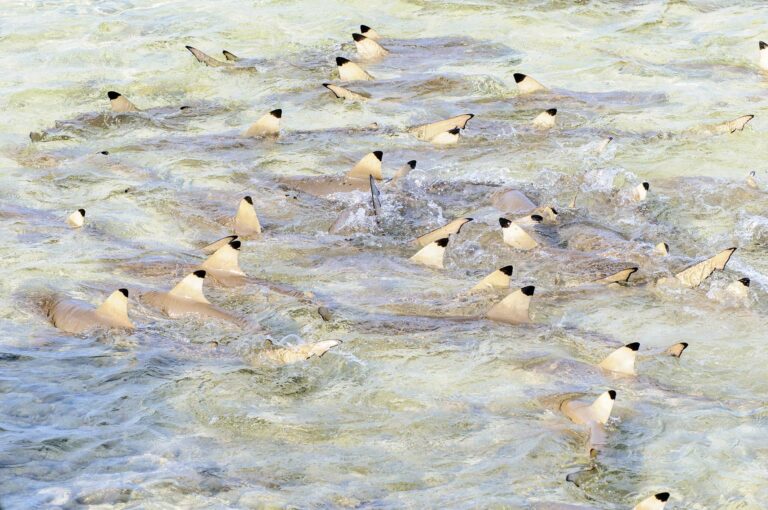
412	410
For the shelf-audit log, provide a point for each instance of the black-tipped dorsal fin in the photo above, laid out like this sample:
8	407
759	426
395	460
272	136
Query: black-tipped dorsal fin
677	349
369	32
433	254
191	287
267	125
622	360
115	309
206	59
119	103
370	164
226	258
453	227
246	221
230	56
697	273
599	411
497	280
368	48
349	71
526	84
427	132
655	502
618	277
212	247
515	236
345	93
513	309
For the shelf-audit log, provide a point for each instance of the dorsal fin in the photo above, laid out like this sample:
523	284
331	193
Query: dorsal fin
267	125
369	165
191	287
120	104
752	180
210	248
115	308
498	279
246	221
349	71
603	144
230	56
454	227
203	58
655	502
661	249
344	93
677	349
619	277
403	172
527	85
76	219
622	360
546	119
224	259
369	32
738	123
515	236
697	273
602	406
763	47
432	255
318	349
427	132
449	137
513	309
548	213
640	192
367	48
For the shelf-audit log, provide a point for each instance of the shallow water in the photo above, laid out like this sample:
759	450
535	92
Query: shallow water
411	412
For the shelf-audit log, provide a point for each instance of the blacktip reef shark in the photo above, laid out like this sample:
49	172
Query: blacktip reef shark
357	179
121	109
74	316
763	47
231	61
187	298
527	85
